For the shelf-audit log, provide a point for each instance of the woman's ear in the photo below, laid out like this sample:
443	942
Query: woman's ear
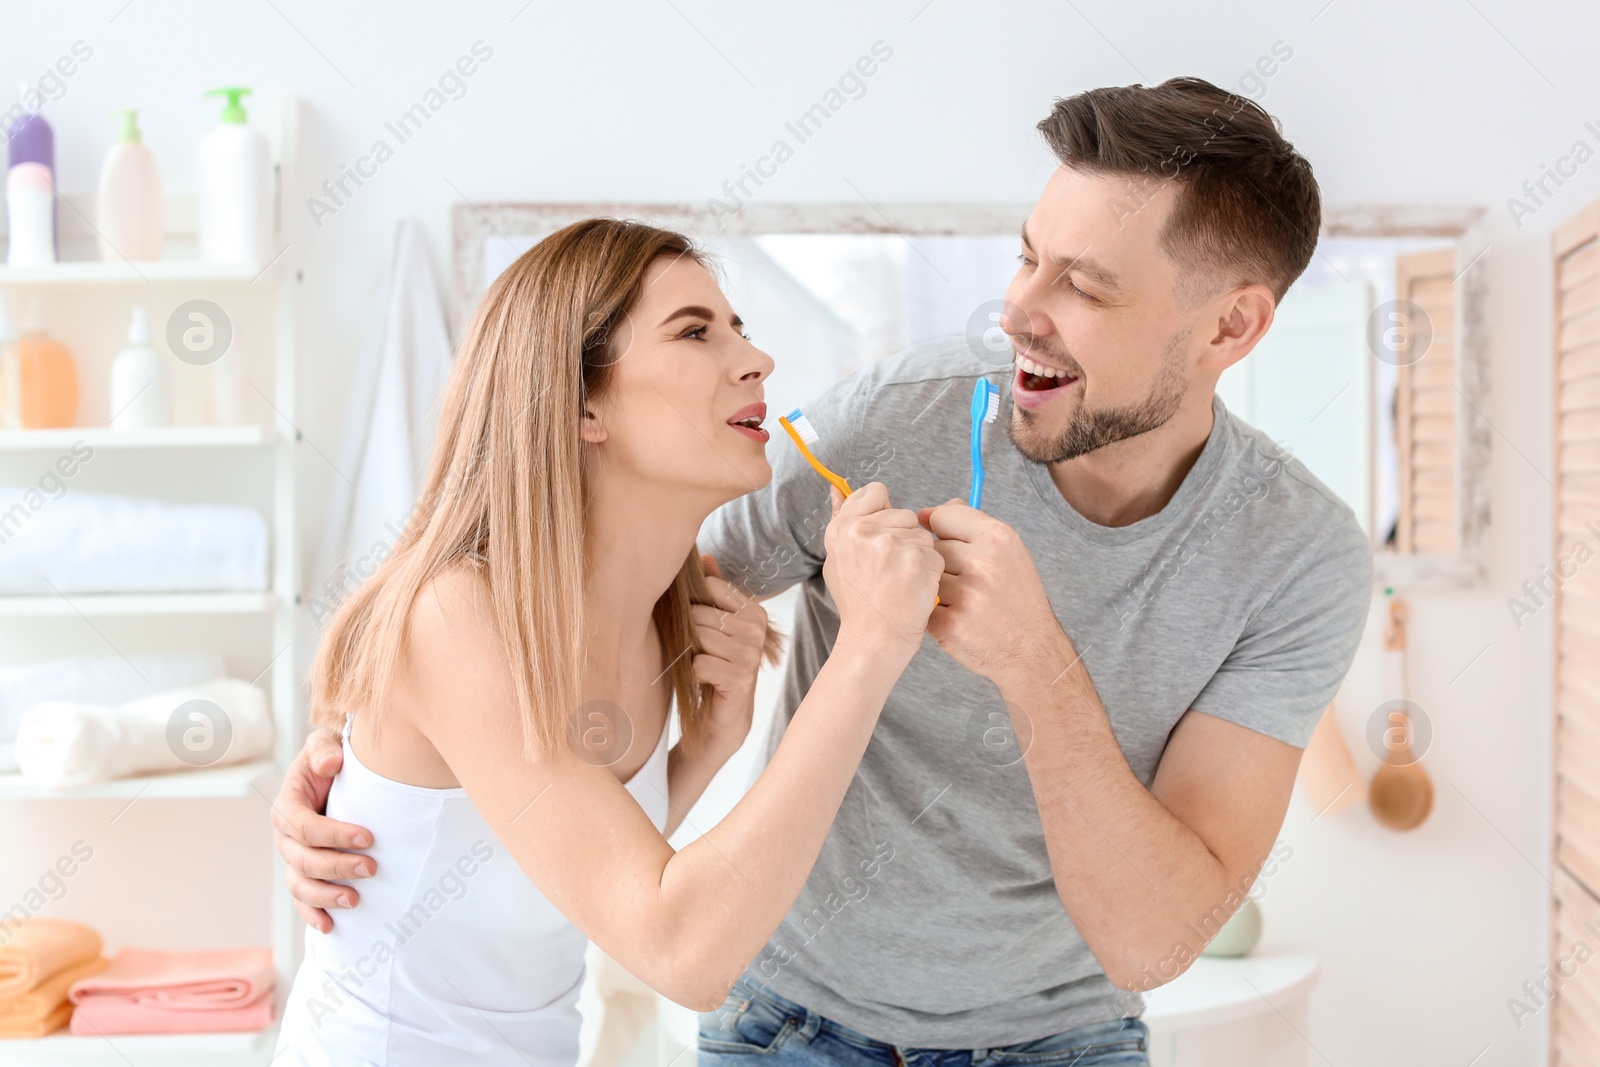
591	429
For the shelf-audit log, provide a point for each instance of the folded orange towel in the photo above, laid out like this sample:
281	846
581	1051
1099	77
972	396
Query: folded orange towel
146	991
42	947
44	1009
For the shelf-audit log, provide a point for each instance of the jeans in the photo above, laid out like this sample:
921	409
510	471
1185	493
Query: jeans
756	1022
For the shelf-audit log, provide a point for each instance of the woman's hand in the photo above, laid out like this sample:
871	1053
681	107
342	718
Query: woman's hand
731	631
882	571
312	845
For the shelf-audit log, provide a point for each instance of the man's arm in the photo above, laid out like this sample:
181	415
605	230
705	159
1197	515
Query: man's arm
1148	876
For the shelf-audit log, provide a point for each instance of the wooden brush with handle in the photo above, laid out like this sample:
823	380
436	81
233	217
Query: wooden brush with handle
1401	793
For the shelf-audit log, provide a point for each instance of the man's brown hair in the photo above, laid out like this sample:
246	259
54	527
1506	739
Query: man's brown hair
1248	209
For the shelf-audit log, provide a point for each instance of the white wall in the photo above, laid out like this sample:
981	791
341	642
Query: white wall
1424	936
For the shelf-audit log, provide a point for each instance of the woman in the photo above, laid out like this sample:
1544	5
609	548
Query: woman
505	679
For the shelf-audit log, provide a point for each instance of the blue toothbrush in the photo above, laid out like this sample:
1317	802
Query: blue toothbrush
985	406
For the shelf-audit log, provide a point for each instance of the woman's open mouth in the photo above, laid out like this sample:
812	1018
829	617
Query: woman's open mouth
1036	384
747	420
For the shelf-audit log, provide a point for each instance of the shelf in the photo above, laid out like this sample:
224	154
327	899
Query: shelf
236	780
198	437
102	604
142	1050
95	272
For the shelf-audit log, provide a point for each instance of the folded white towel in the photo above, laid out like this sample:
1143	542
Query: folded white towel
96	680
219	722
84	542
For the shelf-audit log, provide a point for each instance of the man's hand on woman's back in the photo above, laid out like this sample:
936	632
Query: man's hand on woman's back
314	847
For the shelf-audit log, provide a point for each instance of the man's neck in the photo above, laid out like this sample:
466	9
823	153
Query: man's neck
1133	479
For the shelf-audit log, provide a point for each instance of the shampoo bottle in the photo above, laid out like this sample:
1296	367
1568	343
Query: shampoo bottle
47	380
129	207
235	188
140	389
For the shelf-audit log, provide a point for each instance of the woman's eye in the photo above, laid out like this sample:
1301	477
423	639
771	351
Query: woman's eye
697	333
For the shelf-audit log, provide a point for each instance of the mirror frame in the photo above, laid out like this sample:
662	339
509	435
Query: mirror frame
474	225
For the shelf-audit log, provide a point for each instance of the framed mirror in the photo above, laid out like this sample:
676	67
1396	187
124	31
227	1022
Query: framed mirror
1374	374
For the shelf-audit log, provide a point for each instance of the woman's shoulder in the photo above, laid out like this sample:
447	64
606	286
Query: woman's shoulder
453	606
451	636
452	651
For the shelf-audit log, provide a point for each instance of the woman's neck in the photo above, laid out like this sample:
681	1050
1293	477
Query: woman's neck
636	539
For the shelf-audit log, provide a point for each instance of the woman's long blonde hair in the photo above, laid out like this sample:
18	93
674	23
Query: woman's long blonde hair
505	491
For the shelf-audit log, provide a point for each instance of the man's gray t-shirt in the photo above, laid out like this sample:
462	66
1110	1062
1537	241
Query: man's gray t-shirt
931	918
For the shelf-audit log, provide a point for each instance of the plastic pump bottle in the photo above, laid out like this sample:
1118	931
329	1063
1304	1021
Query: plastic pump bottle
129	207
235	188
140	385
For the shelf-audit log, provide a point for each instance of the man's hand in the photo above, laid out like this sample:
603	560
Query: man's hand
732	631
314	846
993	616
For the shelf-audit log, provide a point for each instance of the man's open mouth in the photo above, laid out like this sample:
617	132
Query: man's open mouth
1034	377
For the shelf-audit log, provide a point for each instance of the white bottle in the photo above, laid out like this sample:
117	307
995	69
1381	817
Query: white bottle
235	188
223	399
140	385
129	209
30	215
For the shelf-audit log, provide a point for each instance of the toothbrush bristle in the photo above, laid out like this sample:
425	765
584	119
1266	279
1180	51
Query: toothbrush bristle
803	427
991	407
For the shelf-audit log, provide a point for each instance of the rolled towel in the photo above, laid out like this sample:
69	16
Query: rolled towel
83	542
92	680
39	948
146	991
216	723
45	1008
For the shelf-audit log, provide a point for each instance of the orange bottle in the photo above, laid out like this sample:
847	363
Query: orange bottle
40	380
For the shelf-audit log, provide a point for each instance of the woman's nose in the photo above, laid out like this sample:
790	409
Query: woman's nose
760	369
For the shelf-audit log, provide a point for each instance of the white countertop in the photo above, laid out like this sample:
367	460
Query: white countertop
1221	990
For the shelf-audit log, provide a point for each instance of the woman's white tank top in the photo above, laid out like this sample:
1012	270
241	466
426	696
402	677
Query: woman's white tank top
452	955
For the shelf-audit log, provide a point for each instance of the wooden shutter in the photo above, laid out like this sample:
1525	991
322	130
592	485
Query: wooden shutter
1575	1022
1425	406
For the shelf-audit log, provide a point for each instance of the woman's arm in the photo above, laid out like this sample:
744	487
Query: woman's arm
685	922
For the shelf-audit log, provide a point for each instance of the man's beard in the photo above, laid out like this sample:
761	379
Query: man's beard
1087	431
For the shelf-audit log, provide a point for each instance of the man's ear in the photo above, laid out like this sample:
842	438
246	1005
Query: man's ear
590	428
1243	318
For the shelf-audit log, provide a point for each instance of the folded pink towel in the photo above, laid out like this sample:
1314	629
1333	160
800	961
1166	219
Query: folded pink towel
146	991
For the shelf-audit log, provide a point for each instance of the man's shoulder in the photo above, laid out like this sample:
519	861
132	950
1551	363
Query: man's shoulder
1289	501
928	367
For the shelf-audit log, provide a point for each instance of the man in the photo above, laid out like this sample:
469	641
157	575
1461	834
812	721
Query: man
1076	780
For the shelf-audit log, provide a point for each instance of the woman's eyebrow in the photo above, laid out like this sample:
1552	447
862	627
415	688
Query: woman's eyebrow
691	311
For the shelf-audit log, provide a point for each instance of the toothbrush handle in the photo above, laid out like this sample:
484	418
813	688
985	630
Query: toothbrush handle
975	496
816	464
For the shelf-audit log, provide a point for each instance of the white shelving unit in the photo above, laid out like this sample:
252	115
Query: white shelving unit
102	437
142	1050
256	631
101	604
235	780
